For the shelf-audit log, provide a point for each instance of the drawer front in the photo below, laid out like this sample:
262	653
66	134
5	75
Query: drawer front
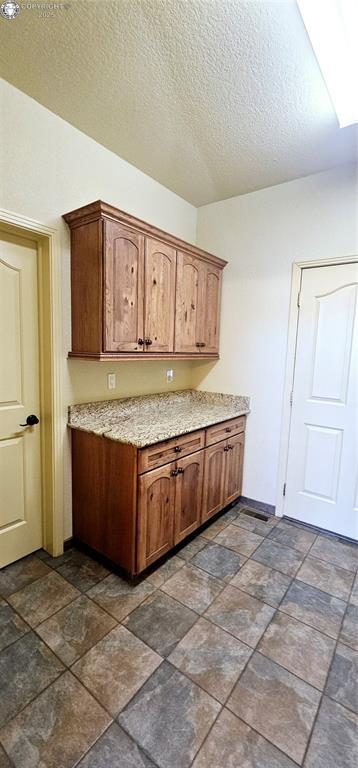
225	429
161	453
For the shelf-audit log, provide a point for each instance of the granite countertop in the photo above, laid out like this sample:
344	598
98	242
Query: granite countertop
149	419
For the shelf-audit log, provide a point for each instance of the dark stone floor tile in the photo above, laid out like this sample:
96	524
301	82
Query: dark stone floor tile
211	658
118	596
56	729
191	549
338	552
165	571
26	668
299	648
289	536
219	561
233	744
314	607
18	575
4	760
55	562
354	595
342	684
115	750
277	704
239	539
193	587
262	582
349	633
82	571
161	622
75	629
43	597
240	614
334	742
283	559
326	576
11	626
216	527
115	668
255	525
170	718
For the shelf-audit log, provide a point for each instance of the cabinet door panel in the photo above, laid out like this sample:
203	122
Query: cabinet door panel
214	476
188	303
210	313
234	466
159	295
155	515
188	495
123	301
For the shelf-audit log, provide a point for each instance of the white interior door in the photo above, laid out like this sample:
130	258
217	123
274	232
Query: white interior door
322	478
20	447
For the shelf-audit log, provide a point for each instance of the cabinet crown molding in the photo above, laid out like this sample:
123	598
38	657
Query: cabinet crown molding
100	210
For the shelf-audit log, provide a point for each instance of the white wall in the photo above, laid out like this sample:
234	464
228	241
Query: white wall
261	234
48	168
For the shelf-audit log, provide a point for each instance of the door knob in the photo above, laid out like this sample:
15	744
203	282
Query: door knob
30	421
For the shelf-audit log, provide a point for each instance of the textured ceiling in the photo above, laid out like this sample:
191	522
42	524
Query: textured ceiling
213	98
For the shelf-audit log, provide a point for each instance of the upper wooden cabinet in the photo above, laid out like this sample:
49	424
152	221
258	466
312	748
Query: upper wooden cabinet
137	290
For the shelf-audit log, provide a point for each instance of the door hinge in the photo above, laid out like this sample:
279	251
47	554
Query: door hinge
284	490
299	299
291	398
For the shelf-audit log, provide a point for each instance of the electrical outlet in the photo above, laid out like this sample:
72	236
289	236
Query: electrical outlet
111	380
170	375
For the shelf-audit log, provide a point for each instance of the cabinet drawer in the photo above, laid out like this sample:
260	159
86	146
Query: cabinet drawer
161	453
224	429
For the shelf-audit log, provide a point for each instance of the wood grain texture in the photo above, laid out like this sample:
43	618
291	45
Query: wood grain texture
168	450
188	495
86	288
104	494
124	284
225	429
155	515
211	301
159	296
233	468
214	478
98	209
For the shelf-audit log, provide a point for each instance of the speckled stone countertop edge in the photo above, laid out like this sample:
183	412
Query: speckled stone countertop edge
174	414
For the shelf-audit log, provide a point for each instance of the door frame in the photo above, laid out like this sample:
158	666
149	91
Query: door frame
47	241
296	280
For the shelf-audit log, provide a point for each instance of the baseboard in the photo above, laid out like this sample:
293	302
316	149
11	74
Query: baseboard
261	506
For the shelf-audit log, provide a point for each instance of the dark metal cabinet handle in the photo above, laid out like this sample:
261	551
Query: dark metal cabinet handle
227	429
148	342
229	447
30	421
180	471
140	342
178	448
174	472
226	448
200	344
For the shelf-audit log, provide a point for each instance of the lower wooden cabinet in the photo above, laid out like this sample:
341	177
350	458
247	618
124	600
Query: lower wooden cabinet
132	514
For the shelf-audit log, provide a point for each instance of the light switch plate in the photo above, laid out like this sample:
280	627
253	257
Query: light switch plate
111	380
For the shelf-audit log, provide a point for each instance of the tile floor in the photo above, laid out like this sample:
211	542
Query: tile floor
239	652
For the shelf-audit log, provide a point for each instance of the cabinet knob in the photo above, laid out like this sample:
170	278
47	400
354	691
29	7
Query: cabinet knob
226	448
174	472
140	342
200	344
227	429
229	447
177	448
148	342
180	471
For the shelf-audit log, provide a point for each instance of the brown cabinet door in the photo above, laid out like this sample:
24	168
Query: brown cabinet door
123	289
214	477
233	469
155	514
188	303
159	296
210	314
188	495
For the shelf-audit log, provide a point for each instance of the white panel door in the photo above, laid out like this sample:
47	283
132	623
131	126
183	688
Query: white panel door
322	476
20	448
